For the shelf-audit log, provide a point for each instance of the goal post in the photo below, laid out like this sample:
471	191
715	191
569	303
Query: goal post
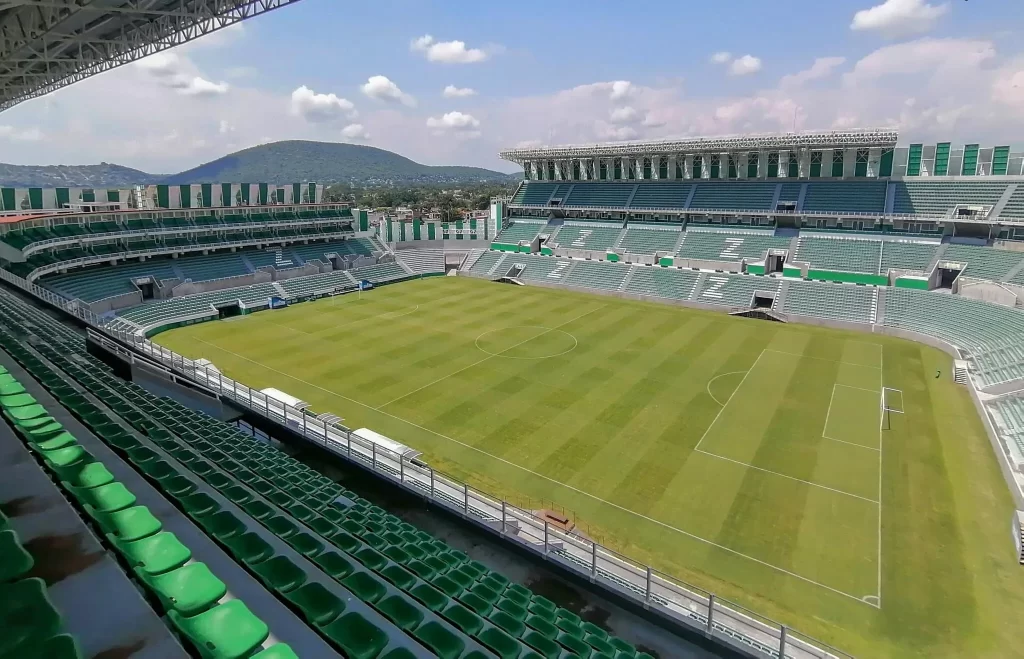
891	403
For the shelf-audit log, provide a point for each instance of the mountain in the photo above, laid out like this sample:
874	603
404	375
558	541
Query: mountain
277	162
103	175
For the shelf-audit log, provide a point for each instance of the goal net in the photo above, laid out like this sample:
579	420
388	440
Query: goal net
891	403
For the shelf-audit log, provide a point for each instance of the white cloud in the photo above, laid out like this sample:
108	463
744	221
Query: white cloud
160	65
899	18
608	132
620	89
355	132
929	58
1008	87
721	57
821	68
451	91
447	52
225	127
382	89
31	134
197	86
453	121
745	65
319	108
624	115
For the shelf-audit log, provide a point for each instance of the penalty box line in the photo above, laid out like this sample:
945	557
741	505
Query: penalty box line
829	414
584	493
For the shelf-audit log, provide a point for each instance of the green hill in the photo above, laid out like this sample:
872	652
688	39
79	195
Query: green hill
326	162
277	162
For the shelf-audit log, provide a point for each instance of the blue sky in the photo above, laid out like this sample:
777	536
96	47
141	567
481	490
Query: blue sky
535	72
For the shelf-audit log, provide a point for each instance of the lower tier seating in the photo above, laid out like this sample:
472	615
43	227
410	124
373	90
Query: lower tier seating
597	274
423	260
729	245
846	302
519	230
733	290
590	236
640	239
668	283
366	582
841	254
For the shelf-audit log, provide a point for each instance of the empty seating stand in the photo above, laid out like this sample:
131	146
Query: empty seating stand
380	273
200	305
306	538
661	194
937	198
641	239
840	254
592	236
213	266
606	195
845	197
99	282
845	302
667	283
733	195
725	245
903	255
519	230
600	275
733	290
983	262
423	261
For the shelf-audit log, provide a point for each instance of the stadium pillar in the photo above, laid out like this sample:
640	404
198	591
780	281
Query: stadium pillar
465	499
782	641
373	454
431	484
503	505
711	611
401	469
545	537
593	560
647	592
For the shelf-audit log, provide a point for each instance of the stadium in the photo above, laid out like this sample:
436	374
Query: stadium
749	396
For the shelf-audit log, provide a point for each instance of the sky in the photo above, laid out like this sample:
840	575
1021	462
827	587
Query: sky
454	82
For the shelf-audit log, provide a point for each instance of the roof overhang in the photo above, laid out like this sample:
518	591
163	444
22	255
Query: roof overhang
862	138
49	44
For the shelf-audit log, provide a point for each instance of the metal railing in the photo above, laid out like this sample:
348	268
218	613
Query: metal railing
687	605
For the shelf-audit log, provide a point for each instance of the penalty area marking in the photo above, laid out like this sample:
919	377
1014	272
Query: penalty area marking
584	493
722	376
547	330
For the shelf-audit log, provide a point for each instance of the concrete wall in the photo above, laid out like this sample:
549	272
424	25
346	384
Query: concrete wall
979	289
115	303
191	288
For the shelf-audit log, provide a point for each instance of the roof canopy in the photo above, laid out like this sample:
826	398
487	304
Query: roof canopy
865	137
49	44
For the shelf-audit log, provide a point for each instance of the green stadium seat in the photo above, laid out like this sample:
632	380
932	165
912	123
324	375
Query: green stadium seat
500	643
318	605
15	561
128	524
398	610
278	651
27	616
249	548
188	590
542	644
280	573
227	631
442	642
463	618
544	626
154	555
105	498
356	636
364	587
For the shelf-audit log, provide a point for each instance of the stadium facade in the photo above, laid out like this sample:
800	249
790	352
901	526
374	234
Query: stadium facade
844	229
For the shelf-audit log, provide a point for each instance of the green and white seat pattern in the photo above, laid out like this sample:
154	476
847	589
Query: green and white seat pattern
733	195
842	254
1009	414
589	236
319	283
519	230
661	194
539	268
845	197
1014	207
609	195
983	262
845	302
902	255
534	194
601	275
486	261
155	313
733	290
727	245
379	273
319	251
667	283
640	239
422	261
1001	364
936	198
212	266
99	282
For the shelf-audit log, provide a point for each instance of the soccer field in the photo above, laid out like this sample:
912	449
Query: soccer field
747	457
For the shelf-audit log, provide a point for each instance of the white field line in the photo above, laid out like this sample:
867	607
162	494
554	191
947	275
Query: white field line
708	387
550	480
881	403
492	356
728	400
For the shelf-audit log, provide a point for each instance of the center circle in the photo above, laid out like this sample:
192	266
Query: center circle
526	342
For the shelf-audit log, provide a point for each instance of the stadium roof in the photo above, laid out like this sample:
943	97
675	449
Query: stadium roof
49	44
864	137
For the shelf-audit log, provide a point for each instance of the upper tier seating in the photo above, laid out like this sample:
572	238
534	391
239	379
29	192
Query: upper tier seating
728	245
902	255
983	262
846	302
668	283
661	194
845	197
319	283
936	198
840	254
602	275
99	282
641	239
790	192
364	580
591	235
608	195
733	290
733	195
319	251
280	258
212	266
486	261
519	230
1014	207
534	194
423	260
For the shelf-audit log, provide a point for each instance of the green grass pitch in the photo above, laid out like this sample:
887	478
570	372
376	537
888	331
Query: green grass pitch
746	457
